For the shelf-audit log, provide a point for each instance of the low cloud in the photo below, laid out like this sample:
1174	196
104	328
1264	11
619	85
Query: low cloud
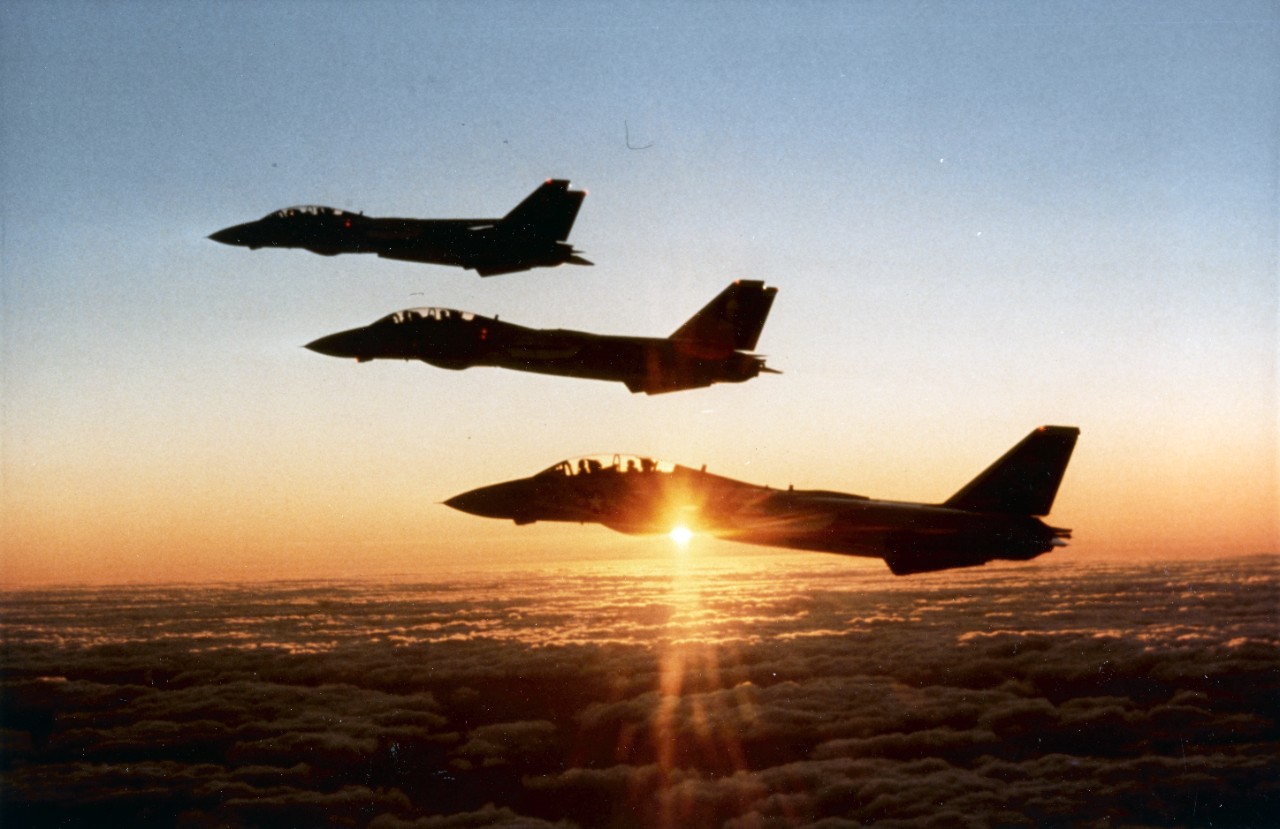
1019	696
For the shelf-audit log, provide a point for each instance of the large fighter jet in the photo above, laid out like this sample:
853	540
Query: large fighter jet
533	235
992	517
710	348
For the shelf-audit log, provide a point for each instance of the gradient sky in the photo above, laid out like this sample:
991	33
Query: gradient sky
981	217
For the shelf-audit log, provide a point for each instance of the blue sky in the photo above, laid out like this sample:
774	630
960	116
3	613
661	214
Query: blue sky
981	217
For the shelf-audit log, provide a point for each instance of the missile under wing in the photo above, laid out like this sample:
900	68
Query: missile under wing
996	516
713	346
533	235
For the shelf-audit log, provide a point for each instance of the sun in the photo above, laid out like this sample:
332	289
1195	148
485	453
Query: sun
681	535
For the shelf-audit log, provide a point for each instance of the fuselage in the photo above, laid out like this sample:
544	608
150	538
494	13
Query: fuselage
640	496
453	339
484	244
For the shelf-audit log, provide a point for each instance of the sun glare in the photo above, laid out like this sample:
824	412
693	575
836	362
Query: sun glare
681	535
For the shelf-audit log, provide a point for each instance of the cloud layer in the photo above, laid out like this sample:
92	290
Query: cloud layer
789	691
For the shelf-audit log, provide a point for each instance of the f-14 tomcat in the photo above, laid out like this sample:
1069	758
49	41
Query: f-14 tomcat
533	235
993	517
710	348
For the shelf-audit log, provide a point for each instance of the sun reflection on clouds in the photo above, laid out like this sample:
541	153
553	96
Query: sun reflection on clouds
690	720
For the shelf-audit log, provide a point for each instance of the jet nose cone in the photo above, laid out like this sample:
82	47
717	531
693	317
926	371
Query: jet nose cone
234	235
343	344
488	502
473	502
458	502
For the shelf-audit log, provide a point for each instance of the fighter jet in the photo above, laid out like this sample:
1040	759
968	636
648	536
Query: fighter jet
530	236
710	348
993	517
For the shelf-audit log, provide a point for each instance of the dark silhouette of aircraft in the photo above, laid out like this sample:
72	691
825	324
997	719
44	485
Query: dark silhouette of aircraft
530	236
992	517
707	349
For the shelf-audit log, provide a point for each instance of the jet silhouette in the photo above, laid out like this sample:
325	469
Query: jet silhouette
992	517
530	236
709	348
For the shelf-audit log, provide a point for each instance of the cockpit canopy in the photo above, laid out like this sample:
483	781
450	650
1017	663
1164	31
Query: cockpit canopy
306	210
606	464
437	314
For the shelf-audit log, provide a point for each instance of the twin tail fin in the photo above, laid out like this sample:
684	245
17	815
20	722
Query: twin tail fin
1026	478
547	213
733	320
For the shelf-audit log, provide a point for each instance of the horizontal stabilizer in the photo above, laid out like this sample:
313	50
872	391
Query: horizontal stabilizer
665	385
500	269
1025	480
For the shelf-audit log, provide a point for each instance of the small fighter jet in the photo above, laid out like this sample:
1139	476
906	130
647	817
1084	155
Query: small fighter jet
993	517
710	348
533	235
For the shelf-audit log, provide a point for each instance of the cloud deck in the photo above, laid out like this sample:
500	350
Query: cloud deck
772	691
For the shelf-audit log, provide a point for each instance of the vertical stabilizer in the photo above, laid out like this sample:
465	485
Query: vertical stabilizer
733	320
1025	480
547	213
